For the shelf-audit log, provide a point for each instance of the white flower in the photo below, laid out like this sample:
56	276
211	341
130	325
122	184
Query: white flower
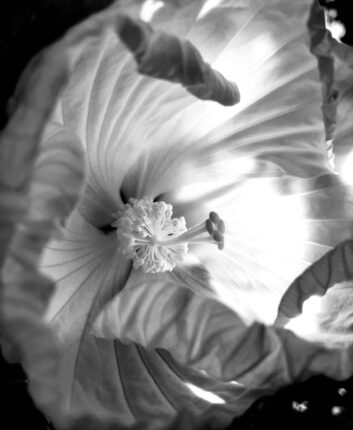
261	164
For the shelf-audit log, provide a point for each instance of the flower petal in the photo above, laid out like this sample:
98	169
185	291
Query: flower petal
124	383
333	268
25	292
286	127
335	62
208	336
19	142
328	319
229	148
275	228
278	121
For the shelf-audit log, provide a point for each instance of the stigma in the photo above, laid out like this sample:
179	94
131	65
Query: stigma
154	241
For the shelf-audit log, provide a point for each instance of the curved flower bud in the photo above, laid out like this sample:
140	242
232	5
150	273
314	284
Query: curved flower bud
165	56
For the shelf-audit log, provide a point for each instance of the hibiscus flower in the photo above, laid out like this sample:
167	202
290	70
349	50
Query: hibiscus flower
160	219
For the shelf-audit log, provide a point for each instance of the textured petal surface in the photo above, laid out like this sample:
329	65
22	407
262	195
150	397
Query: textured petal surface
317	305
205	151
335	61
208	336
87	274
328	318
333	268
343	141
29	180
275	228
105	96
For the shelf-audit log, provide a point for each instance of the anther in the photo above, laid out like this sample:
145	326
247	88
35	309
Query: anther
221	226
214	217
217	236
209	226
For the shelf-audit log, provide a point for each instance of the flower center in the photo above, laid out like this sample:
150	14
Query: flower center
156	242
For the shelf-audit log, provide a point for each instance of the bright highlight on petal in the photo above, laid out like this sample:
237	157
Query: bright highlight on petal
149	8
208	5
335	27
206	395
347	169
306	324
156	242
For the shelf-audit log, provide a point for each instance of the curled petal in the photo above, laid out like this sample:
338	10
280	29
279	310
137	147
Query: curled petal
32	174
19	141
58	175
208	336
335	64
321	47
334	267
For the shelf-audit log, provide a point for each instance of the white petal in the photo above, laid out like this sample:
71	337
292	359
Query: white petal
125	381
208	336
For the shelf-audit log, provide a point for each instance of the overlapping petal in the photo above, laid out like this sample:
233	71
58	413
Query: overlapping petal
270	67
275	229
125	383
333	268
274	131
328	317
208	336
335	61
83	263
35	208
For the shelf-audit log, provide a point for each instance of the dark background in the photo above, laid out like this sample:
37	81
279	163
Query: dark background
26	26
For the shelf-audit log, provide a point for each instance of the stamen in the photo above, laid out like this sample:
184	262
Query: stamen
156	242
